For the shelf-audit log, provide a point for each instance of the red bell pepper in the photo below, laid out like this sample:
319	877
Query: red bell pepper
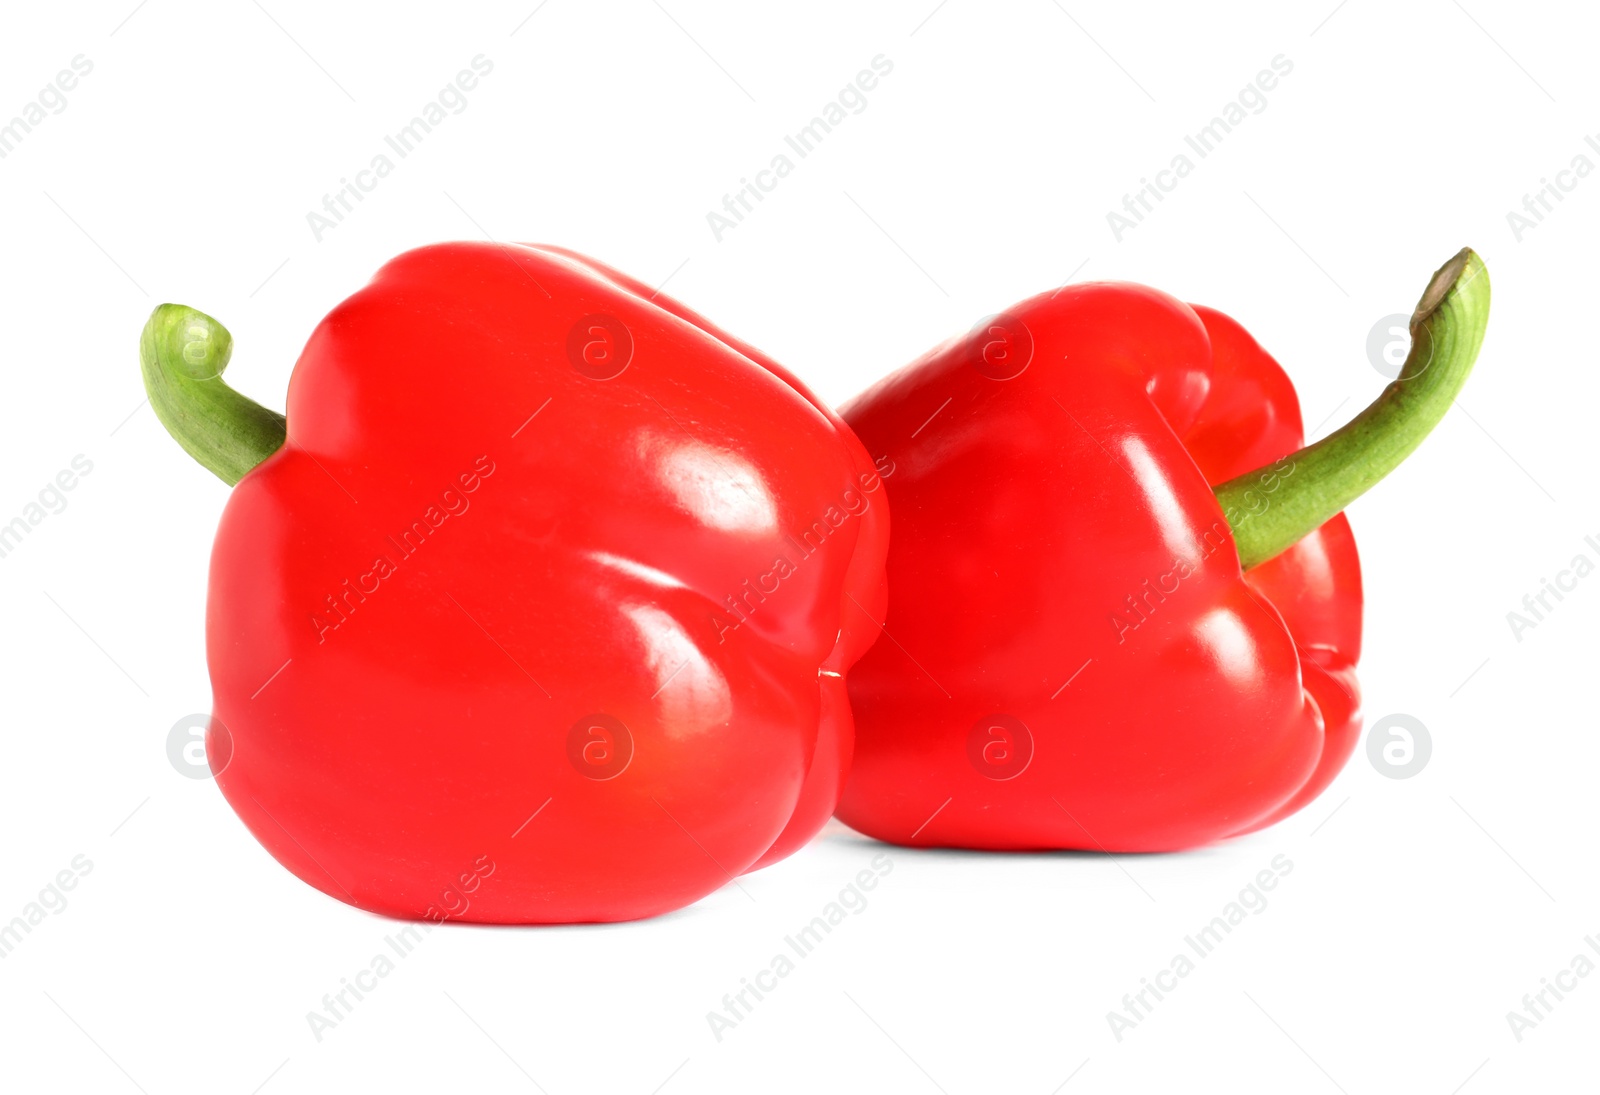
538	607
1087	646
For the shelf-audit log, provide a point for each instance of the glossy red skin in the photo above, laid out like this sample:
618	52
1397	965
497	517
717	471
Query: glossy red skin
1026	511
394	762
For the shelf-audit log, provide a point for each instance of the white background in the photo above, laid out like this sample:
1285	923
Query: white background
1419	911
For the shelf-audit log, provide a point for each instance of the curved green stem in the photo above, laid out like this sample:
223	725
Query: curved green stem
1271	508
182	354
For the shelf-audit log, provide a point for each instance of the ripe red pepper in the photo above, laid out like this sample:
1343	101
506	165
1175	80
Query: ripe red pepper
1087	646
538	607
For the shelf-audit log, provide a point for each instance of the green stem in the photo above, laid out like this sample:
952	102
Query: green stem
182	354
1272	508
